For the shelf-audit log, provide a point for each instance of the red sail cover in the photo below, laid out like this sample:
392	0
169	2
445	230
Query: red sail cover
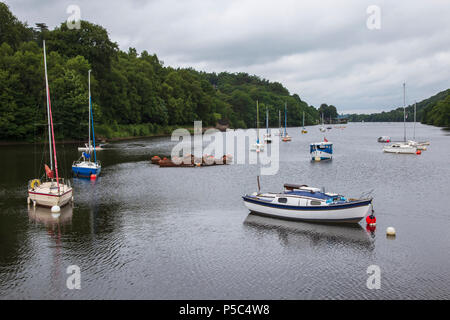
325	139
49	172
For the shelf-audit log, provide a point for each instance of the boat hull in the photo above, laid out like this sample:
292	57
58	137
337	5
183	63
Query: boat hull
351	212
85	171
45	197
400	150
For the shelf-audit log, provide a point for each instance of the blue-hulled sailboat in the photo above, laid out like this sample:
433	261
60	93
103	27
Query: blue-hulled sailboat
85	167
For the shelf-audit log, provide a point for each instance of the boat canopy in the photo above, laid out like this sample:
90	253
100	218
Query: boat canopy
290	186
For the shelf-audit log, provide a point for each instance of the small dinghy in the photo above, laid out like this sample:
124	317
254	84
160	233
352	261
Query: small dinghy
303	203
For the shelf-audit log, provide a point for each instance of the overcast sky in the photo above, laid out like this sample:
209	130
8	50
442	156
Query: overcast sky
322	50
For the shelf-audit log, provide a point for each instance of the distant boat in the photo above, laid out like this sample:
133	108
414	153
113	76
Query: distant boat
384	139
286	137
322	128
303	203
257	147
402	147
53	192
321	150
280	129
267	135
85	167
413	142
303	129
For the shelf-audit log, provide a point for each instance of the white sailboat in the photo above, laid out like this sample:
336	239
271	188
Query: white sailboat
53	191
286	137
257	147
322	128
303	129
413	142
402	147
303	203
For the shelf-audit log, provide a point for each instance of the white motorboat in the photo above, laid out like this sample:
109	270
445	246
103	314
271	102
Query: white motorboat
400	148
53	191
303	203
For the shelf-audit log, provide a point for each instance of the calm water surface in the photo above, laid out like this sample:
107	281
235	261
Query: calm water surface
141	231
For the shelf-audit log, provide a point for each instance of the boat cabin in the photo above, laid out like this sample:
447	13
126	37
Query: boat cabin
321	146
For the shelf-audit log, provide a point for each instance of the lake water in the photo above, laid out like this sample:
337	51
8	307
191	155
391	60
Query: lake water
141	231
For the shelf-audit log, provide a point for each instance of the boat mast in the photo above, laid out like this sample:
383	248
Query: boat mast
257	122
48	109
279	119
51	122
89	122
92	118
285	119
303	119
267	120
414	134
404	110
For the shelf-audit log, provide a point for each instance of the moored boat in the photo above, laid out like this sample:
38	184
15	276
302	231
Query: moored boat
84	167
384	139
303	203
403	148
321	150
53	192
285	137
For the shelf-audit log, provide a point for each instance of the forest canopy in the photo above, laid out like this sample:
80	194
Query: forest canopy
133	93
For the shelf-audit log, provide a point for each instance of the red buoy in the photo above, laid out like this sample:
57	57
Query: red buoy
418	152
93	176
371	220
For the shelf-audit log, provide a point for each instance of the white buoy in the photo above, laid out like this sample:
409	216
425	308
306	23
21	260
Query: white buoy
390	231
56	209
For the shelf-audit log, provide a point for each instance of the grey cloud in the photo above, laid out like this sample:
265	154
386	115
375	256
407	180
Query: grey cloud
321	50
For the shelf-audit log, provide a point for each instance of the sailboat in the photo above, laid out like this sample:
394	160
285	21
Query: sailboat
258	147
53	192
413	142
280	130
303	129
322	128
286	137
402	147
84	167
267	135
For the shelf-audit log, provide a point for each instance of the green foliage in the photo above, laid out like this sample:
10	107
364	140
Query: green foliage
133	94
434	111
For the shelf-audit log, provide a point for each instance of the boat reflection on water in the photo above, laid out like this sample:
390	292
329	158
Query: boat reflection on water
44	216
292	232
